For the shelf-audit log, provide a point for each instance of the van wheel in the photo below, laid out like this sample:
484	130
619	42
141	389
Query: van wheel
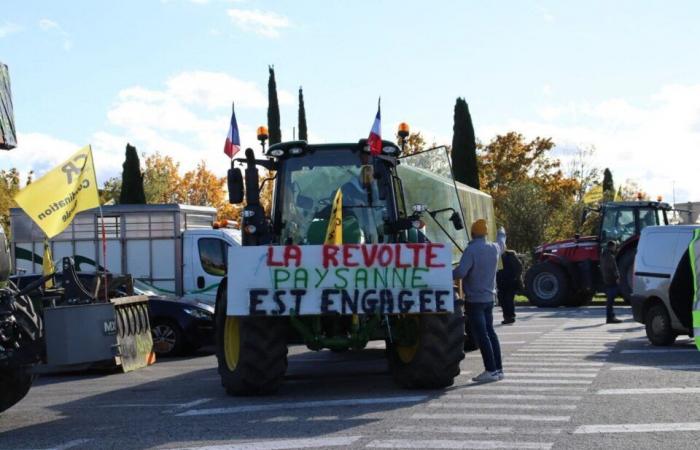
658	326
547	286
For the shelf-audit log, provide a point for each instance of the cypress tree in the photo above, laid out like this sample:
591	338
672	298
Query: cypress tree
132	179
302	118
608	186
464	162
273	109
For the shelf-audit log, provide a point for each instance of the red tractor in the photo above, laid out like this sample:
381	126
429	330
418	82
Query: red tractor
567	273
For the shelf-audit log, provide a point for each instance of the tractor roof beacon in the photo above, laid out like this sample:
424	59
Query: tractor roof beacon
424	350
20	336
567	273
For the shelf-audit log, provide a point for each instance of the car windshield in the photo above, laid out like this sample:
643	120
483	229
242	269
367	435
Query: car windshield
310	183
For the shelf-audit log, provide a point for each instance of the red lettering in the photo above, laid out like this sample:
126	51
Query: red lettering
347	256
369	254
330	253
399	264
416	248
431	255
385	255
270	258
292	252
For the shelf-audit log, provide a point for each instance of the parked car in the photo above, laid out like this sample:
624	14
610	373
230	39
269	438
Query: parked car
178	326
662	292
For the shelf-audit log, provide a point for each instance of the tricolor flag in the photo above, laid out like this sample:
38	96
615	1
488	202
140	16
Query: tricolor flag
375	136
233	139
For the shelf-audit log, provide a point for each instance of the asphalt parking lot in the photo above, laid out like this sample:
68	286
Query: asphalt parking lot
571	382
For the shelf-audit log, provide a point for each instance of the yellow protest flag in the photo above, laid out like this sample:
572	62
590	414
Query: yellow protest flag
53	200
47	264
334	233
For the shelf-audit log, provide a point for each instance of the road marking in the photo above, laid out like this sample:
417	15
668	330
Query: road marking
70	444
500	387
499	417
556	365
473	430
303	405
561	350
512	342
511	397
543	381
283	444
661	350
637	428
659	367
506	333
181	406
679	390
457	444
554	374
476	406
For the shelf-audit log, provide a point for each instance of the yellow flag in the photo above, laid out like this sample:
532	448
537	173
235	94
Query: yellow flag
334	233
53	200
47	264
594	195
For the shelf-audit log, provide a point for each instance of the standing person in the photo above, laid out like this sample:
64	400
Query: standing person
477	270
508	281
611	278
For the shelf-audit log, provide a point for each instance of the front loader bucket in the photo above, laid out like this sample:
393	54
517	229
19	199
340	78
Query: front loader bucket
134	341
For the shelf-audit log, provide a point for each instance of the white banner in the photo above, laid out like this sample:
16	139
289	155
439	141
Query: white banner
340	279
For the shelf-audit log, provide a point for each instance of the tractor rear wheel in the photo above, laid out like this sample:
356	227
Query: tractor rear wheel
14	385
433	361
251	351
547	285
625	267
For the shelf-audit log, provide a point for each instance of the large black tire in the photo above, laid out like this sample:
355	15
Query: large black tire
438	352
547	285
625	266
254	360
14	385
658	326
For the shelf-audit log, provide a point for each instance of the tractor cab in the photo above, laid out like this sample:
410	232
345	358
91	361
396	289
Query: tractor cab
624	221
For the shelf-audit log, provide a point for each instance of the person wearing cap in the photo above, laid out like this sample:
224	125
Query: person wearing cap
611	278
477	270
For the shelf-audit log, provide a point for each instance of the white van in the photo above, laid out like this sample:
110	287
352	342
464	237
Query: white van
662	290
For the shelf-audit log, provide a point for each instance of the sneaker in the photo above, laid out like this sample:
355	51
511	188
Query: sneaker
613	320
507	321
500	374
486	376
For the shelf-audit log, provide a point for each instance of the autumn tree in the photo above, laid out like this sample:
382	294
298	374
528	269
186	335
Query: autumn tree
111	191
132	179
161	179
273	110
464	160
9	187
303	134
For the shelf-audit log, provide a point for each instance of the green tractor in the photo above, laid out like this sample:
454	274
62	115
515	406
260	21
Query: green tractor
390	271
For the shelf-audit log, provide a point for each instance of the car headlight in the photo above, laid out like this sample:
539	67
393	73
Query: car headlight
198	313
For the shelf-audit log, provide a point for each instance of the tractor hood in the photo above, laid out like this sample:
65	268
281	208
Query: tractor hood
553	247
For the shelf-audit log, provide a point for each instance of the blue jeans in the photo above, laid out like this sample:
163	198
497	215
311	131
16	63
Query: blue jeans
611	293
481	321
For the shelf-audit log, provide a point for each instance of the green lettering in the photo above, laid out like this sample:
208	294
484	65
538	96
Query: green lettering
416	280
301	279
398	275
279	276
341	277
378	277
361	276
321	276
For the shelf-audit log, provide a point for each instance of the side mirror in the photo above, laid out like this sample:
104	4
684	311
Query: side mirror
366	176
456	220
235	186
383	176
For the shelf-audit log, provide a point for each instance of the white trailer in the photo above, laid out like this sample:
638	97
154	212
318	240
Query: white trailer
172	248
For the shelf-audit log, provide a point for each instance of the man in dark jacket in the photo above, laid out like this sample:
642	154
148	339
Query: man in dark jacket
508	281
611	278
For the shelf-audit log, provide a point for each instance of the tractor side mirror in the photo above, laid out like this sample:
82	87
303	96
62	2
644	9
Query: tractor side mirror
366	176
235	186
456	220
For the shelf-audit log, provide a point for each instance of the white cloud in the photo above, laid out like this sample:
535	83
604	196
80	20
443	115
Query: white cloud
264	23
655	143
9	28
48	24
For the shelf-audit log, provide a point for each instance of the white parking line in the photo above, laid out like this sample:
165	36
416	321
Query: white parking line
591	365
500	387
637	428
511	342
661	350
506	333
511	397
474	430
499	417
341	441
70	444
668	390
477	406
543	381
554	374
659	367
457	444
303	405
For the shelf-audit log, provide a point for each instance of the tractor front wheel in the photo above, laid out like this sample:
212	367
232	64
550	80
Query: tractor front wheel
14	385
251	351
432	361
547	285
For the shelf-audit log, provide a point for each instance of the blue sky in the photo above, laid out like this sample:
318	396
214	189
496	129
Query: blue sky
621	76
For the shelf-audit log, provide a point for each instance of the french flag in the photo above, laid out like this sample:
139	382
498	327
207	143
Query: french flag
375	136
233	139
